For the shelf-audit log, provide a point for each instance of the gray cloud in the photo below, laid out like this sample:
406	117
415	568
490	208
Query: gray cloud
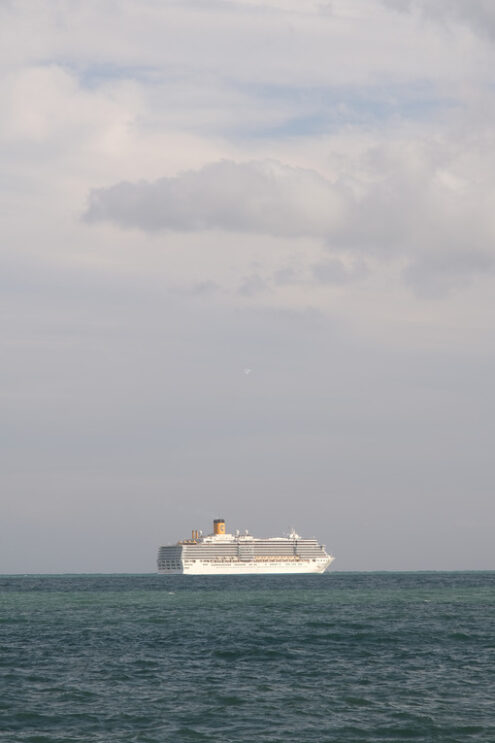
479	15
252	285
425	203
264	197
330	271
434	275
334	271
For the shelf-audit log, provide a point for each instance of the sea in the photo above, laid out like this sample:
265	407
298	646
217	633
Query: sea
339	657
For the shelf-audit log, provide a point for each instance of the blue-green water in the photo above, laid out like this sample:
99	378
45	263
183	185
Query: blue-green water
339	657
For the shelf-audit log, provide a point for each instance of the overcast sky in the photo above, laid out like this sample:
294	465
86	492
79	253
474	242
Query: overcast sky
196	188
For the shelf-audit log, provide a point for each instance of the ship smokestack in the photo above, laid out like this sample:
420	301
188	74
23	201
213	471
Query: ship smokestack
219	526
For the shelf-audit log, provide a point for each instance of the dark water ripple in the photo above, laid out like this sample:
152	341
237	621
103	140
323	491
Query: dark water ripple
340	657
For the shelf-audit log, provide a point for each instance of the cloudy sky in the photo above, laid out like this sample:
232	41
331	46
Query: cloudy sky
196	188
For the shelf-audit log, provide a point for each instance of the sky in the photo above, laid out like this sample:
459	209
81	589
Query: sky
247	271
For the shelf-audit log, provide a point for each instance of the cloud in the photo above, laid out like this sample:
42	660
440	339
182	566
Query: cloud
331	271
434	275
252	285
249	42
478	15
262	197
335	271
427	203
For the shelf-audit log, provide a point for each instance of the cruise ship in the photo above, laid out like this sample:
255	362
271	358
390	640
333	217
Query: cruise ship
235	554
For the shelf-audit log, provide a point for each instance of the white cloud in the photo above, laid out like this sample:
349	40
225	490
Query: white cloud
259	43
46	105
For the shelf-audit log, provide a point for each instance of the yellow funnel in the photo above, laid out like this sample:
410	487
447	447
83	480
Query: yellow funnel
219	526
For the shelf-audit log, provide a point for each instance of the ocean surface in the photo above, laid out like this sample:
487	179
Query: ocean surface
361	657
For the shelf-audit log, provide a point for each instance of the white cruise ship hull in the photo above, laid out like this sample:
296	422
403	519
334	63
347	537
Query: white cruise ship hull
250	568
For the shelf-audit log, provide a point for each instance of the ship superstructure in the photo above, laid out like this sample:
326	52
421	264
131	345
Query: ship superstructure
228	554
